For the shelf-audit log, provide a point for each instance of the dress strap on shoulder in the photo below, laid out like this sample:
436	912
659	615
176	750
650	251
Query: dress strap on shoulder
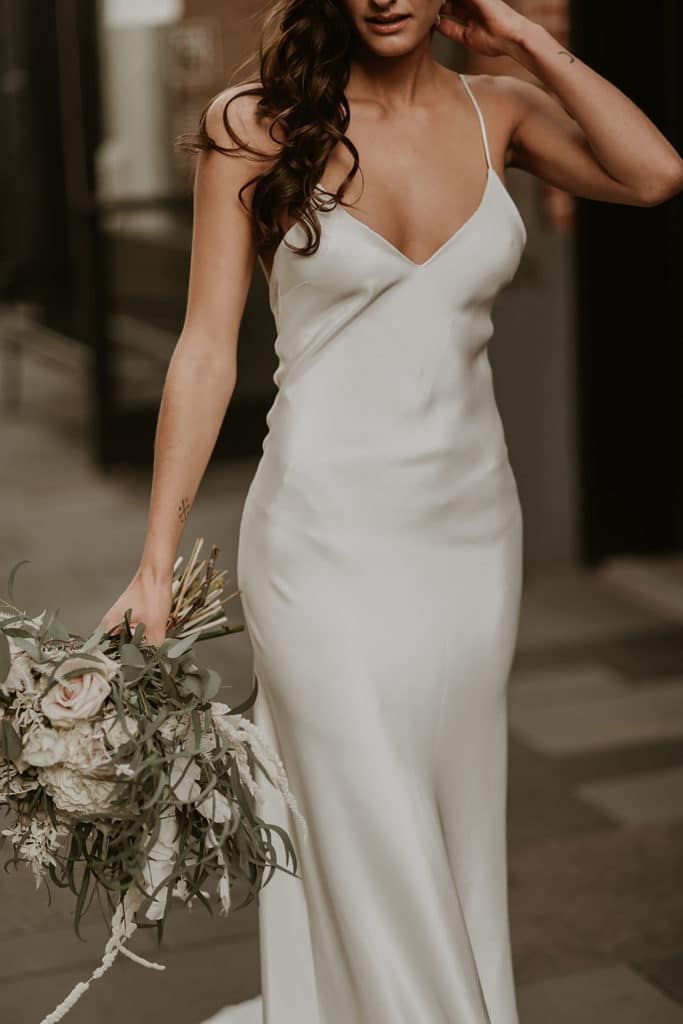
482	123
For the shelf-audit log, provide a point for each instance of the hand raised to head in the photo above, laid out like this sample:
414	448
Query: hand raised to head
490	28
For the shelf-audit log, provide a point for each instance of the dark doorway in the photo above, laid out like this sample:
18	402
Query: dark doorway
629	277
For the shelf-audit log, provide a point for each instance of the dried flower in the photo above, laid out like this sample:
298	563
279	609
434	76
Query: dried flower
77	793
20	676
108	741
43	747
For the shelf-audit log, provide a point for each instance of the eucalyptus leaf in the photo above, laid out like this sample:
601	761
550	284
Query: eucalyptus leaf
132	656
131	674
5	658
192	684
57	630
139	633
248	702
7	620
93	641
30	647
11	743
212	685
83	656
196	728
176	650
47	623
12	577
19	631
73	673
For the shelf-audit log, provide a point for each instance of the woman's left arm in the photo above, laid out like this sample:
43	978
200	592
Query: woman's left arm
588	137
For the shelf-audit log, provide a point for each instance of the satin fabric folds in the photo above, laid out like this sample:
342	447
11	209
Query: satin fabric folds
380	565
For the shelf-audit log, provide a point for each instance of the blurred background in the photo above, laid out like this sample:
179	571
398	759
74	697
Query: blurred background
95	233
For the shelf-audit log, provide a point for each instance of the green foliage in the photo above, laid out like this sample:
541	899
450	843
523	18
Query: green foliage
171	752
5	659
10	743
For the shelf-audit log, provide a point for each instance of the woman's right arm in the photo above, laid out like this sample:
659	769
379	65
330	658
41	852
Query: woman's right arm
202	373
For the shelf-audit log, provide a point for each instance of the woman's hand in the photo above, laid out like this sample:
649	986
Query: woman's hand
575	130
490	28
149	596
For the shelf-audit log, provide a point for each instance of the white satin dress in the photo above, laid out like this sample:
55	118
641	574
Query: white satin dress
380	565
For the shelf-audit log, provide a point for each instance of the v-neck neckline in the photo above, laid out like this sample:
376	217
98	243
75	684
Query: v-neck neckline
414	264
389	246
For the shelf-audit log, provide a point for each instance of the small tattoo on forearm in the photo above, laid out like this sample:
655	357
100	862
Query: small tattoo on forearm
184	510
566	53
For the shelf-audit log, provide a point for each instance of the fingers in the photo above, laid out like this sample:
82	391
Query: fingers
154	633
452	30
116	628
455	17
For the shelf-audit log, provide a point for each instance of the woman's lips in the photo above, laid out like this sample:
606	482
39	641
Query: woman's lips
386	26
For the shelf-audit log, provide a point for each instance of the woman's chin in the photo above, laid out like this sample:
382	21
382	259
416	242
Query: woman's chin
389	46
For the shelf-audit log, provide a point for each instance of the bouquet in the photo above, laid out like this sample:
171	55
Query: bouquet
121	777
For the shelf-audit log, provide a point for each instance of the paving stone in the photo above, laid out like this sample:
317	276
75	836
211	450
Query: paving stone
542	800
248	1012
655	581
558	685
666	974
641	655
571	608
616	995
50	939
638	799
632	717
197	982
589	901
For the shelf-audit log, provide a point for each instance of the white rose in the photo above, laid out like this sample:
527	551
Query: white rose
80	696
43	747
75	793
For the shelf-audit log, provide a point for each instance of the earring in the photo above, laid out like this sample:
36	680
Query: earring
437	20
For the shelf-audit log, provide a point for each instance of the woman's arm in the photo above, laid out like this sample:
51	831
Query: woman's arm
201	375
588	137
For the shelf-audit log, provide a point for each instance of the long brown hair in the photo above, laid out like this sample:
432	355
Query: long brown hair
304	56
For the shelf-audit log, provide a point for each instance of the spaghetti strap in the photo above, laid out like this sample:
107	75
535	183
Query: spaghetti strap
481	119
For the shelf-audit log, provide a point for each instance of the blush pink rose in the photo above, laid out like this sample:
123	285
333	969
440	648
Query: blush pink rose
79	697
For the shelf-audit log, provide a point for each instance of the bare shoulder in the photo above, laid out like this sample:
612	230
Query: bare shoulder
238	107
510	93
508	101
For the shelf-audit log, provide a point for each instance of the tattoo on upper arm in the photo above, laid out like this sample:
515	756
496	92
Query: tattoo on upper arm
184	510
566	53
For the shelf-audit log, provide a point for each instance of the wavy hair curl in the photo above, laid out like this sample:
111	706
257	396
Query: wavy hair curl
304	59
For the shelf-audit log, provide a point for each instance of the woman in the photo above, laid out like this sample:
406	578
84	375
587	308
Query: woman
380	544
